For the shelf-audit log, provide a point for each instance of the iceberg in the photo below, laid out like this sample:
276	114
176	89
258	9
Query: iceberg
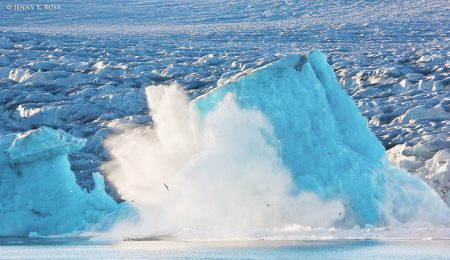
276	150
38	190
325	142
271	149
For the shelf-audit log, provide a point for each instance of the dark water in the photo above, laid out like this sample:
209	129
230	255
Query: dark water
17	248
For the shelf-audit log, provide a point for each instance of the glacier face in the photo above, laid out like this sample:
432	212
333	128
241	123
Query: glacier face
38	190
326	144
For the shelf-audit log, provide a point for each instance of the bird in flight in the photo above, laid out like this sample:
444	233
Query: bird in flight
167	187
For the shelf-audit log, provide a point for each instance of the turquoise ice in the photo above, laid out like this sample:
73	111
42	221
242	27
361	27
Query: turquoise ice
326	143
38	191
318	133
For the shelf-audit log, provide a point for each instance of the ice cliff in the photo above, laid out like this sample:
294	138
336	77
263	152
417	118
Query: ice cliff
326	143
38	190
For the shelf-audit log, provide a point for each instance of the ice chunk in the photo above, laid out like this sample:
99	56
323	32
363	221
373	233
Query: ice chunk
326	143
38	190
429	160
42	144
423	112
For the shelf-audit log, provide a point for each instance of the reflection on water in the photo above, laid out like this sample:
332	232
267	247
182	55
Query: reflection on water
64	248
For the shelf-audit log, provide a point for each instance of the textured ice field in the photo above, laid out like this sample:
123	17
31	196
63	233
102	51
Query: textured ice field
83	68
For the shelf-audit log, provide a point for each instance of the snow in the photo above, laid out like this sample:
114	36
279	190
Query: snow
38	191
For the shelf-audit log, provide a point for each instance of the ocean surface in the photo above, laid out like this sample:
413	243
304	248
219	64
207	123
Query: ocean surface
20	248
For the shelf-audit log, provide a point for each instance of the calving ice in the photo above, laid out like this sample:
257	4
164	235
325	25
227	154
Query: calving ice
284	135
326	144
278	146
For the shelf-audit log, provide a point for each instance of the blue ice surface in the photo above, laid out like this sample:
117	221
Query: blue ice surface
38	191
324	141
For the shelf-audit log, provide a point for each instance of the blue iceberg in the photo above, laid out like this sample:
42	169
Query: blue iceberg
325	142
38	191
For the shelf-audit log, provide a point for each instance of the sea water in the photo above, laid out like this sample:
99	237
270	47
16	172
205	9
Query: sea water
38	248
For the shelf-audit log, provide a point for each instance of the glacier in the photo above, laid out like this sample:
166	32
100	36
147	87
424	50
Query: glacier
38	191
326	144
283	136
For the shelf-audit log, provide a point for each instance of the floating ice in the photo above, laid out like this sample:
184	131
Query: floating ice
38	191
326	144
282	145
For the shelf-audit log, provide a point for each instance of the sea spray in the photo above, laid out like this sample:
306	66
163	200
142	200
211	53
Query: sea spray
278	147
224	176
